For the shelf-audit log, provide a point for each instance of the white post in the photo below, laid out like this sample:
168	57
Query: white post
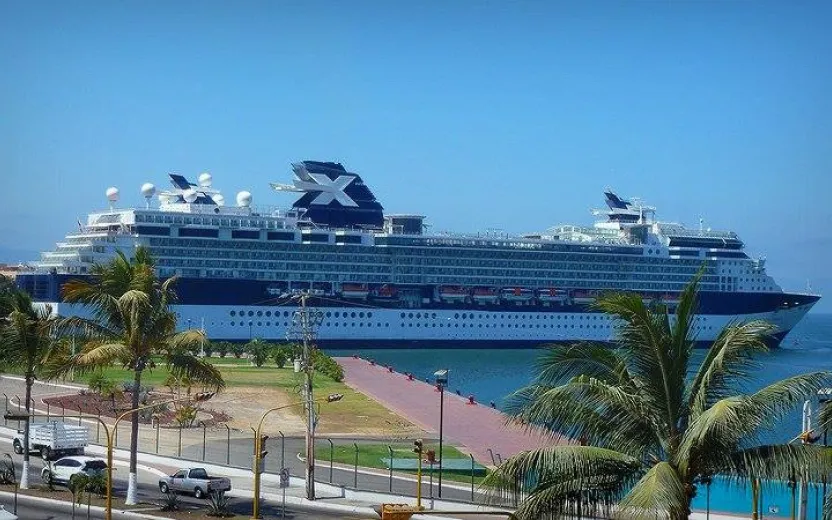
803	491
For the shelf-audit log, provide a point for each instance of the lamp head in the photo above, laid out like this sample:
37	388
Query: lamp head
441	377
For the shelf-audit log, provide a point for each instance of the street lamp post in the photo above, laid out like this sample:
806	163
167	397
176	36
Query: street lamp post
109	433
441	381
259	453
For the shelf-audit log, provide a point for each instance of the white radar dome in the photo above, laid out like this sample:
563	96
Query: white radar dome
189	195
244	199
148	190
112	194
205	179
219	199
165	198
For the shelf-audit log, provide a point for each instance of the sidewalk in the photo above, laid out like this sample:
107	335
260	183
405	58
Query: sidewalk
481	429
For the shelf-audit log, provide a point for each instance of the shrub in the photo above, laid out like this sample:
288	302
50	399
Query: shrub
258	351
327	366
99	383
222	348
238	349
170	501
185	415
280	357
218	505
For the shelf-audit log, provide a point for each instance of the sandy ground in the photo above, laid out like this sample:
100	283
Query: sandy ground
245	406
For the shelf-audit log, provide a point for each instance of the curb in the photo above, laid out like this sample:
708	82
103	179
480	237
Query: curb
68	505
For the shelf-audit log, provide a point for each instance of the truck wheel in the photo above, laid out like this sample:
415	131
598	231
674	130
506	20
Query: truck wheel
18	448
163	488
198	493
45	452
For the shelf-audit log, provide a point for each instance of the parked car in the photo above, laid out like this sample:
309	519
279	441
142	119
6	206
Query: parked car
53	440
64	470
194	480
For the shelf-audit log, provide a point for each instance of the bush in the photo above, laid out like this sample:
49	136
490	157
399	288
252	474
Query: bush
218	505
99	383
222	348
170	501
238	349
280	357
258	351
327	366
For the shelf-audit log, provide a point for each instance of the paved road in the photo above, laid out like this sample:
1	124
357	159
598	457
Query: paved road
148	492
241	450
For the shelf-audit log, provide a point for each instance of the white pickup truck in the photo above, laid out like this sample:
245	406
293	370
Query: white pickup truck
194	480
53	440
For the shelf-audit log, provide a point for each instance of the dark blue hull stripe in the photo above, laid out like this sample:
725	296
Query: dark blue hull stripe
200	291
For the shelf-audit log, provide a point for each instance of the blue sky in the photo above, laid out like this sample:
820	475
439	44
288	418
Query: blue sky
480	114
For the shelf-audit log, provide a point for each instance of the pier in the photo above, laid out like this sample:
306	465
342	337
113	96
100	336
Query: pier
476	427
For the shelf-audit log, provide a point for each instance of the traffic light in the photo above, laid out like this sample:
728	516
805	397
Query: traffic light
417	447
261	455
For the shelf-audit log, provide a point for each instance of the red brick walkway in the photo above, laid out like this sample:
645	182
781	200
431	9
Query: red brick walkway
476	427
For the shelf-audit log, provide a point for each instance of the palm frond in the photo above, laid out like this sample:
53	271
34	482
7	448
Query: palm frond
562	362
646	336
554	477
733	420
777	462
659	494
101	355
725	362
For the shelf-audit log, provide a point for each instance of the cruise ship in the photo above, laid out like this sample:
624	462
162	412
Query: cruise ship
381	280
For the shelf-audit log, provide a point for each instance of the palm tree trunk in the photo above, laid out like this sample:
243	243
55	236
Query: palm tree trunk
132	483
24	477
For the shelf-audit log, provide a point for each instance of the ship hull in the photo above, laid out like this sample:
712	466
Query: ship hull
343	327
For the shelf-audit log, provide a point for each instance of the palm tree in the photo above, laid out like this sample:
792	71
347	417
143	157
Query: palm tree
132	324
651	424
27	344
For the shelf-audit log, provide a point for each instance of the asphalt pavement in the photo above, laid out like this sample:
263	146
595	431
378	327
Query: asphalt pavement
148	493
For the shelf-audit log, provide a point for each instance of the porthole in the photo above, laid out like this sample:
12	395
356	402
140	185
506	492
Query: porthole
418	315
285	314
231	323
456	315
259	323
409	314
352	315
369	314
268	314
433	315
232	313
337	314
251	313
328	314
360	314
403	315
259	314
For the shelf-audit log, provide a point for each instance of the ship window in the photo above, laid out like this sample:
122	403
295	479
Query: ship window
369	314
233	313
403	315
259	313
251	313
268	314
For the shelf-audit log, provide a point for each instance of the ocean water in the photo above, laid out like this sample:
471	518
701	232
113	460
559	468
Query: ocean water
491	375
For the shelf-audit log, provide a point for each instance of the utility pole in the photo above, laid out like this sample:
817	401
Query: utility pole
306	328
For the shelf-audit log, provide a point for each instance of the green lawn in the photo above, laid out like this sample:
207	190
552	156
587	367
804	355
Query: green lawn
374	455
355	413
